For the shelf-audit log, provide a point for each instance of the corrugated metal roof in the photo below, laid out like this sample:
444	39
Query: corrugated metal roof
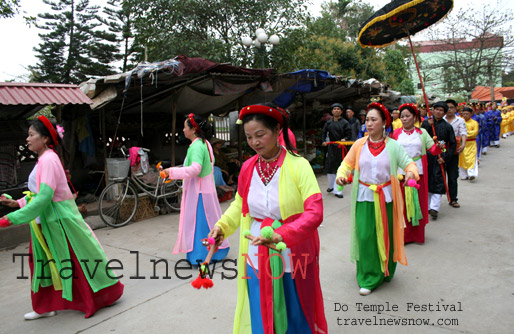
17	93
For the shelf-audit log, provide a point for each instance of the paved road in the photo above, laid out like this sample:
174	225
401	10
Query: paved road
464	274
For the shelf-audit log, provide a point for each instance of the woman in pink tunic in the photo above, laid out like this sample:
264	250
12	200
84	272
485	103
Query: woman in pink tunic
200	208
59	238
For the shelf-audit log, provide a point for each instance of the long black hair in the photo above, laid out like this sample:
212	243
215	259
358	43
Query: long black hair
271	123
205	128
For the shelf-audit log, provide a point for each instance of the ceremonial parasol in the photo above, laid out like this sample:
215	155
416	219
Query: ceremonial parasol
400	19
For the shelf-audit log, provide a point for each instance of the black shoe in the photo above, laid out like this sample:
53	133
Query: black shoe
329	190
339	195
433	214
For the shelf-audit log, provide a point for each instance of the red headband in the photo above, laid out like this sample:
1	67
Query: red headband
193	123
383	109
410	106
277	114
50	128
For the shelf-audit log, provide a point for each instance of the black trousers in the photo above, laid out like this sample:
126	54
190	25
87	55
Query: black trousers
452	172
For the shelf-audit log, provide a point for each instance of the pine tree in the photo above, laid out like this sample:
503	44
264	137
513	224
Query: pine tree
119	21
74	47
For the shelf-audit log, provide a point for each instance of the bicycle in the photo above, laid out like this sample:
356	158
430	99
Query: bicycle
119	200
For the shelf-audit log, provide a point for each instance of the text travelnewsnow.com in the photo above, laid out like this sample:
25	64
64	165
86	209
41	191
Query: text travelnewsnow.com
388	314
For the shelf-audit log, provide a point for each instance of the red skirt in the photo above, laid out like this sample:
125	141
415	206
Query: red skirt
416	233
47	299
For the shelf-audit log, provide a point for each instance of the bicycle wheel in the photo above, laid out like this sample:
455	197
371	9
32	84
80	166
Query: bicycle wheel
118	204
172	194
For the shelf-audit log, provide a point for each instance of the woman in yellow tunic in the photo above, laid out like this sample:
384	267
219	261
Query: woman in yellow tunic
277	189
511	119
505	124
468	164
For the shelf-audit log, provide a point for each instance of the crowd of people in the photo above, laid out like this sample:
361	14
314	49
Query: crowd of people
400	163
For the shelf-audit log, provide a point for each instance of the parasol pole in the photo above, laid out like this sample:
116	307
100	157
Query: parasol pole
420	79
428	111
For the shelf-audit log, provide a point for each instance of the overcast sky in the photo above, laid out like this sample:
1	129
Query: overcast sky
18	40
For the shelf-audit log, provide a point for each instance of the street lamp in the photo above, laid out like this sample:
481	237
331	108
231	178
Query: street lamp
261	37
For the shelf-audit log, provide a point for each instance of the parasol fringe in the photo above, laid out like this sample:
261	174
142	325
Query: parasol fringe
387	16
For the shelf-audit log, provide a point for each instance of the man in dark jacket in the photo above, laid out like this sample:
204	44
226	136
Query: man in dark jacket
444	132
355	125
336	129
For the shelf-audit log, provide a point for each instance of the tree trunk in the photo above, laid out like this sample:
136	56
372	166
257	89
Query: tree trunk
67	73
173	131
491	82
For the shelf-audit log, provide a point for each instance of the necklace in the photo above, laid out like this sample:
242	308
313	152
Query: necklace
376	144
272	159
408	132
376	141
268	173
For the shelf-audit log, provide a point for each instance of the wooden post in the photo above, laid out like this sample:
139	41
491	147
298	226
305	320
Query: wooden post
104	139
173	131
58	113
73	141
239	136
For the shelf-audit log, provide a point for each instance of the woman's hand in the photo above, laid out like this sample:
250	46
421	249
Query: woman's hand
409	176
342	181
9	202
217	234
275	239
325	143
4	221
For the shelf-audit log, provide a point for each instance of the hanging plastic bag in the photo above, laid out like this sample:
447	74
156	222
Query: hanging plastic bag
145	165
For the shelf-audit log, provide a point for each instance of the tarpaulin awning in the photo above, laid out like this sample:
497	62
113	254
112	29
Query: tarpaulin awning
203	87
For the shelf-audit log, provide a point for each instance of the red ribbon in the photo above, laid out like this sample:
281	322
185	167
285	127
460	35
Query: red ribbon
50	128
192	120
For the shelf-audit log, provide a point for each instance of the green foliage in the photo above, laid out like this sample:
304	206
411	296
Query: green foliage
76	45
210	29
73	47
9	8
46	111
397	75
406	87
120	26
349	15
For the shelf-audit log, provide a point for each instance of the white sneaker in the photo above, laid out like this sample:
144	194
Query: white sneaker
364	291
34	315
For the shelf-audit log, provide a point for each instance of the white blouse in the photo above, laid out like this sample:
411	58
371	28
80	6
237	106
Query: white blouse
412	144
373	170
263	202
